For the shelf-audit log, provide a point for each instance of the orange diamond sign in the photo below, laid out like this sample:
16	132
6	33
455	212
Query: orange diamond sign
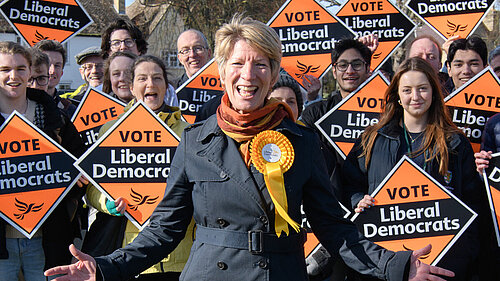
36	20
473	103
412	212
450	18
308	33
381	18
35	174
132	160
200	88
345	123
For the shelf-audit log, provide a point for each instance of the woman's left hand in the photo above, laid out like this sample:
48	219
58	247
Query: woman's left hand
82	181
422	271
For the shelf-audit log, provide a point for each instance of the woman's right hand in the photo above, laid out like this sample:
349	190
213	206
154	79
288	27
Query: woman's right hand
482	160
83	270
364	203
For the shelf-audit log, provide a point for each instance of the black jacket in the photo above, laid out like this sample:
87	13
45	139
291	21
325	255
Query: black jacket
310	115
465	184
63	225
209	181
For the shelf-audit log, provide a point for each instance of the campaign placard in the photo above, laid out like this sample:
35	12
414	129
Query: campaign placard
451	17
312	243
200	88
308	33
36	20
132	160
474	103
95	109
35	174
491	177
345	122
412	212
379	17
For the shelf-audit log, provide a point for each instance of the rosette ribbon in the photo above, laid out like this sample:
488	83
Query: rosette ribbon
272	154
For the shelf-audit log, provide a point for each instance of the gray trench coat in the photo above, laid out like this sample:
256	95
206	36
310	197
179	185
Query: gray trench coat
231	206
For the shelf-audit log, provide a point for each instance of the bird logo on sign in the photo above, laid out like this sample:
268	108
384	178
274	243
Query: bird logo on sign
39	37
454	28
305	69
25	209
140	200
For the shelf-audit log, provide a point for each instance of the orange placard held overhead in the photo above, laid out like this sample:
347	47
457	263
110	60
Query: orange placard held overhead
491	177
132	160
344	123
450	18
381	18
35	174
95	109
36	20
308	33
474	103
200	88
411	212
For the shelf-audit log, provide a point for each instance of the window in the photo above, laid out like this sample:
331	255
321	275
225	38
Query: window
170	58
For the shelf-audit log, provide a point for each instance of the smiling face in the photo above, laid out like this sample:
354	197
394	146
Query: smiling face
247	78
350	79
415	94
197	53
149	85
120	77
122	35
465	64
92	70
14	76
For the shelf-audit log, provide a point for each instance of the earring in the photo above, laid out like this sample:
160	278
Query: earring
399	101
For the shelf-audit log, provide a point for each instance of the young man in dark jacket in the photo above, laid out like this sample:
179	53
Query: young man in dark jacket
49	246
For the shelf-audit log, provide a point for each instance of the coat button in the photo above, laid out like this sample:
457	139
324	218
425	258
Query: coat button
223	175
263	264
222	222
221	265
263	219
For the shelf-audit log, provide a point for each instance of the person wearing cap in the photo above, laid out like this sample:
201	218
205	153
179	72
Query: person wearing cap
287	90
92	72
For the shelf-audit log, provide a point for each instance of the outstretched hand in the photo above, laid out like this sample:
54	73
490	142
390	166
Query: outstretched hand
422	271
83	270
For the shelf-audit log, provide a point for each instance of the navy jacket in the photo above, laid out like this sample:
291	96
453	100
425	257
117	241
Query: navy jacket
208	180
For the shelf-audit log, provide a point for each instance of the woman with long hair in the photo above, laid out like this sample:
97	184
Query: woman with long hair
416	123
118	76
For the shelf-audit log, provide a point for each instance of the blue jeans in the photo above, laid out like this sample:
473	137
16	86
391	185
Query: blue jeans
26	255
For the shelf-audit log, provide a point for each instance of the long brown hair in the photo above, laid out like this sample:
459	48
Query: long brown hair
439	128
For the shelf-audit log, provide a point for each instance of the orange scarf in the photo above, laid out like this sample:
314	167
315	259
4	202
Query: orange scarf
242	127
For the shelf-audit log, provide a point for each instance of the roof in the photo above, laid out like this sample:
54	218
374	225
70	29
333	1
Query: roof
147	17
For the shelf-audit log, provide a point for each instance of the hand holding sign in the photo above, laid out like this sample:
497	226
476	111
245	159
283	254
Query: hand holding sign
423	271
482	160
364	203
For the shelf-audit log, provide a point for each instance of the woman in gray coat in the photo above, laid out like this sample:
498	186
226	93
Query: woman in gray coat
243	174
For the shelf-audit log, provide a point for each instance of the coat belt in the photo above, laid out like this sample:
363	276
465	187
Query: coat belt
255	241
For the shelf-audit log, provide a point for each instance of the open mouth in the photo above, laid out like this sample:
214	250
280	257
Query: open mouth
246	91
14	84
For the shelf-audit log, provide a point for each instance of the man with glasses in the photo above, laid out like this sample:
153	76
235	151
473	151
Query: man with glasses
39	70
123	35
192	52
57	58
91	70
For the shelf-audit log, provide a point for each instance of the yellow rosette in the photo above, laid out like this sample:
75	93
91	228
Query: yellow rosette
272	154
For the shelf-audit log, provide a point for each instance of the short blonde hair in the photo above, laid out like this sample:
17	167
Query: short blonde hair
12	48
255	33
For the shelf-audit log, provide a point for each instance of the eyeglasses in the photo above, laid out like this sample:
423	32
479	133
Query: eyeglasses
41	80
196	50
342	66
90	65
129	43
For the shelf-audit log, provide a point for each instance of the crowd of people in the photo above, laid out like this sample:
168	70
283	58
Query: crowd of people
221	217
